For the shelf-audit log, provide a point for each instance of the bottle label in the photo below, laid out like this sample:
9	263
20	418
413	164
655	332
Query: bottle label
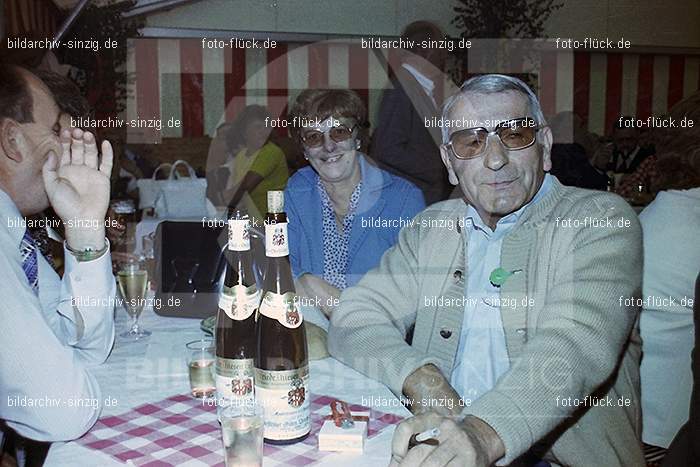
234	379
276	240
284	396
238	234
284	308
239	301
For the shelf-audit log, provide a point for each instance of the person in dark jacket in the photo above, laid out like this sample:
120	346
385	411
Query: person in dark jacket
570	162
402	143
685	448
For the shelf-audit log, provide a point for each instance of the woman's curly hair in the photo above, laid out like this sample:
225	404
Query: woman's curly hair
323	103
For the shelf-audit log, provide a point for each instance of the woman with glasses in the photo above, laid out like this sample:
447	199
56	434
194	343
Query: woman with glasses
343	211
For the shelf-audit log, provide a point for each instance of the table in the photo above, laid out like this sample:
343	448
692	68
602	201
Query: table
154	368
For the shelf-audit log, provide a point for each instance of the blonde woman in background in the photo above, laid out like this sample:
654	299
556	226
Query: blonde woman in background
257	167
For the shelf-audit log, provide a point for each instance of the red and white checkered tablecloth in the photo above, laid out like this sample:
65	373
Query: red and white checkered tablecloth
182	431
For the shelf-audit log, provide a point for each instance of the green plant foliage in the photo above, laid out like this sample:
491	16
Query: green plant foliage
102	75
515	19
500	19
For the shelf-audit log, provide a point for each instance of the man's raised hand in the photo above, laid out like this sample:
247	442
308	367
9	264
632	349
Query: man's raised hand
78	187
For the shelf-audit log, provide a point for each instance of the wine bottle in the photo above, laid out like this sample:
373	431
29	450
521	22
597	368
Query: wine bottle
235	320
281	362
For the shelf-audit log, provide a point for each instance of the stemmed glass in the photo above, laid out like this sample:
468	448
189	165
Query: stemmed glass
132	279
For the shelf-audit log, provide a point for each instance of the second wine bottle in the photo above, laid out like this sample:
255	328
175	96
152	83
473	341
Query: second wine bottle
281	362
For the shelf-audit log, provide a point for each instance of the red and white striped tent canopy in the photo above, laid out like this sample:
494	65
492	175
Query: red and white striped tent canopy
203	87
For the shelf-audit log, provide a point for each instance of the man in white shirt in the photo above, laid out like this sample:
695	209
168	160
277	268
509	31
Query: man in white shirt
49	336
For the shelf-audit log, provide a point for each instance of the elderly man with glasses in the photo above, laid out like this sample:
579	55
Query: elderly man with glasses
522	298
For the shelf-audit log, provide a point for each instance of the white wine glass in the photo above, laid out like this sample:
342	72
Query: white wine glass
132	279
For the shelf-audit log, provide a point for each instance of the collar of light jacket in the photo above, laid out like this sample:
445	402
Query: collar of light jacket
426	83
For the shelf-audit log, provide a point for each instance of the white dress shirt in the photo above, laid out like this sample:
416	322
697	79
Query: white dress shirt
426	83
48	342
482	343
670	225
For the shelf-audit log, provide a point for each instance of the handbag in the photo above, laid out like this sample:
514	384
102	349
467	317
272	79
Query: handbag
150	187
182	197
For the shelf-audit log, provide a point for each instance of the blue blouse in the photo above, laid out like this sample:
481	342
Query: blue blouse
382	196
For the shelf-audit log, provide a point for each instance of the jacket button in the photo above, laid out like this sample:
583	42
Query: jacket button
457	275
445	333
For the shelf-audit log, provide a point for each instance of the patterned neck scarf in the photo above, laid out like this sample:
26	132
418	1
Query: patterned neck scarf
336	242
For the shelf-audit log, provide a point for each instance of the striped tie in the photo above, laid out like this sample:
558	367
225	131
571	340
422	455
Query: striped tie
30	263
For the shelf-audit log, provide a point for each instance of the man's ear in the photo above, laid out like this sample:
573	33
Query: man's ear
11	139
546	135
445	154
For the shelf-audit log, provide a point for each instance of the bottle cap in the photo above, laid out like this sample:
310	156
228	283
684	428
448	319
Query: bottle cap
275	201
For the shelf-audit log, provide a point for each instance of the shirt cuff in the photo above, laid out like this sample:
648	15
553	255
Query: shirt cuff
91	289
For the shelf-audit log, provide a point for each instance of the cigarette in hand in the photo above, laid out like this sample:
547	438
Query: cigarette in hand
428	437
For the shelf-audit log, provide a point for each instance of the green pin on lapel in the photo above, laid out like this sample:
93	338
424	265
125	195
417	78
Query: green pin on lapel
498	276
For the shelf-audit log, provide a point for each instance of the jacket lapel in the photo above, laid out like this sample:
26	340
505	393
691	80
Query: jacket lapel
311	219
444	277
421	102
515	288
371	203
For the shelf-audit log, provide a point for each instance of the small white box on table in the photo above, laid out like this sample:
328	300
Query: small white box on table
335	438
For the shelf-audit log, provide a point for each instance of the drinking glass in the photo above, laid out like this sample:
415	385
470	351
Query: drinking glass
242	433
124	212
148	247
132	279
200	361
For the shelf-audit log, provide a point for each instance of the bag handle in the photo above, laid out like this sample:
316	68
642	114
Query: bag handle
173	169
164	165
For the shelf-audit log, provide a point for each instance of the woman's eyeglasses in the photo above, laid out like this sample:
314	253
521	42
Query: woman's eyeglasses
339	133
514	134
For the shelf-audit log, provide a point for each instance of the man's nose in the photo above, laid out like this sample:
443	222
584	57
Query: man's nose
495	154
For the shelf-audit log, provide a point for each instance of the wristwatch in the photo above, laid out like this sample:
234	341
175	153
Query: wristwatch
87	254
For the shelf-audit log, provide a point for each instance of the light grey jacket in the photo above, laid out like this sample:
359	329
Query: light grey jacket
570	335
